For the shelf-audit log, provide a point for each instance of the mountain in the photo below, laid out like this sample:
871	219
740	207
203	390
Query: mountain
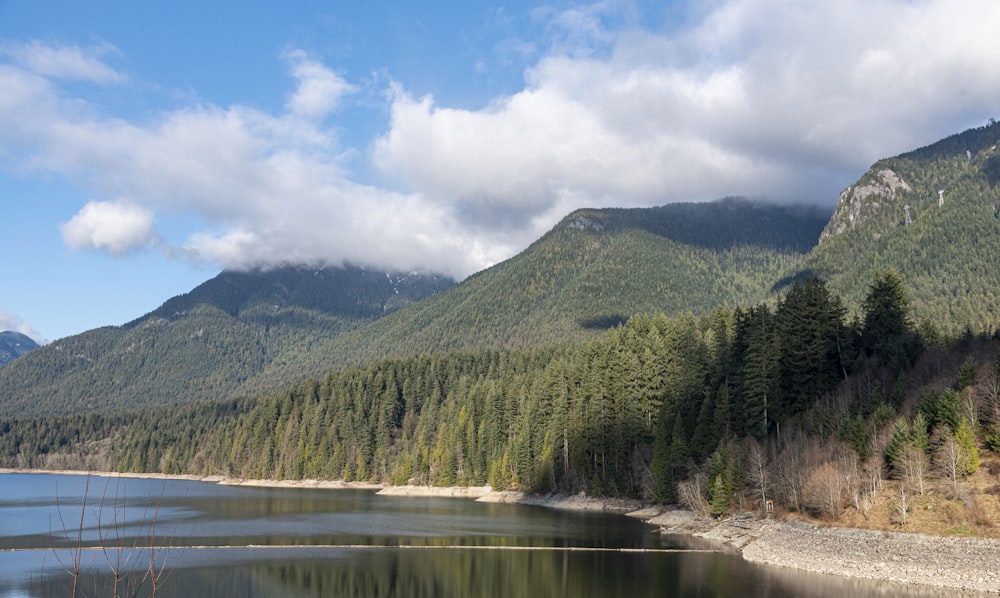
933	214
594	270
13	345
206	343
241	333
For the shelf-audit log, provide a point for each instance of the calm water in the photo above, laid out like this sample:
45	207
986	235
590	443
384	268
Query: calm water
212	540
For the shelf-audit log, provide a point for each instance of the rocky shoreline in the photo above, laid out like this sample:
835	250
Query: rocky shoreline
956	563
965	564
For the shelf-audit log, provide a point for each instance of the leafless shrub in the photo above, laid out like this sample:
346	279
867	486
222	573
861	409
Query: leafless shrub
901	505
979	514
121	555
824	492
915	468
691	494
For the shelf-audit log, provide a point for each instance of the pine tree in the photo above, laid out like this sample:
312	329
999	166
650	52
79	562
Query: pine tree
887	331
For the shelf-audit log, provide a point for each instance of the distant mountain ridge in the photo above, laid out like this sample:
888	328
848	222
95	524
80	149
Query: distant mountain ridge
206	343
348	292
14	345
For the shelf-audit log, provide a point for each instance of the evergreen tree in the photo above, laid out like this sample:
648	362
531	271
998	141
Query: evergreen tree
759	369
887	331
809	333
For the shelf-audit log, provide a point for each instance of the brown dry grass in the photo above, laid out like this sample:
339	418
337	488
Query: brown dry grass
975	513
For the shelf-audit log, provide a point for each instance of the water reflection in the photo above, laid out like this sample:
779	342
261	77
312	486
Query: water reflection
282	542
494	573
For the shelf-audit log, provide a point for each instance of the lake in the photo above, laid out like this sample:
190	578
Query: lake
212	540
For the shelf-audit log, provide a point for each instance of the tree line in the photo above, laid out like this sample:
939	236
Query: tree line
765	401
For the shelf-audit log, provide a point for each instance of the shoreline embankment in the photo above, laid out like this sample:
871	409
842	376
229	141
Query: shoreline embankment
956	563
961	563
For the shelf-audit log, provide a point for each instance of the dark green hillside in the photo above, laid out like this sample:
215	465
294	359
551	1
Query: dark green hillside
351	293
206	343
597	268
949	252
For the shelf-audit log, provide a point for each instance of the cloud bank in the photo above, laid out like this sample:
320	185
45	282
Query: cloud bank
767	98
9	321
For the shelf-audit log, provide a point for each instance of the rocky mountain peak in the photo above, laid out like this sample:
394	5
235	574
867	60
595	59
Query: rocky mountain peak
866	198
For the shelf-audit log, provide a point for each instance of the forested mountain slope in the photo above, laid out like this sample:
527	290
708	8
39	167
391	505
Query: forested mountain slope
933	214
241	333
597	268
206	343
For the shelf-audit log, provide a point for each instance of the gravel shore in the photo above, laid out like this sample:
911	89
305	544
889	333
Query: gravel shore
963	563
968	564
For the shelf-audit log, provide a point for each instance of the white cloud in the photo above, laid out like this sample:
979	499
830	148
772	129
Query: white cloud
63	62
751	97
319	89
760	97
266	188
115	227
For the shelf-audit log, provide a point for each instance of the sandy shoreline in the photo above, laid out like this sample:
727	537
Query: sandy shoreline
971	564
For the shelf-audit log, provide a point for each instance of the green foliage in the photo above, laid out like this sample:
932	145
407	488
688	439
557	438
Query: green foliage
811	334
720	494
967	373
991	436
897	444
617	415
631	413
966	438
920	432
886	331
942	407
595	270
725	468
864	426
947	254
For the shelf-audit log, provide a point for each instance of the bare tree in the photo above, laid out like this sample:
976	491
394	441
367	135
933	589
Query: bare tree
824	492
914	468
971	405
949	461
74	564
691	494
792	468
757	471
869	483
901	505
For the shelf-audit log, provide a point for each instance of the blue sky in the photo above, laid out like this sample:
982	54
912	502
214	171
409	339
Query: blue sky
146	146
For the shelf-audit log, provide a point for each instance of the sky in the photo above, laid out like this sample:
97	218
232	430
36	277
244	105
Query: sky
146	146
